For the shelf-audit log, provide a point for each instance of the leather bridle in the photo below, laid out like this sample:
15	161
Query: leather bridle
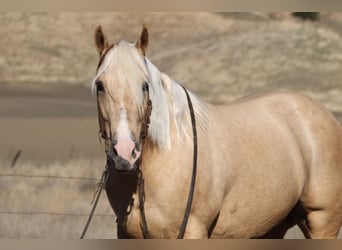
140	180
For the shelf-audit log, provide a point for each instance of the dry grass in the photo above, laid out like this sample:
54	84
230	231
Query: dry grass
66	202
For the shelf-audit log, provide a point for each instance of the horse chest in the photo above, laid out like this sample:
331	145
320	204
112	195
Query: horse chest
159	225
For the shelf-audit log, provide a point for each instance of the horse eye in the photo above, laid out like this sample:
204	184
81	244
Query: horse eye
145	87
103	135
99	86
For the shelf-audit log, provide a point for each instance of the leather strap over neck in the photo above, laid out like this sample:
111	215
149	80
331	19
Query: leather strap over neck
141	190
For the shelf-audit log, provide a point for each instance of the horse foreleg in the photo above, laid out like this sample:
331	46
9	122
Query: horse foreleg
195	229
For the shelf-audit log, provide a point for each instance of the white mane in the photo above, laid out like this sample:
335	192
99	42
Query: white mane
170	107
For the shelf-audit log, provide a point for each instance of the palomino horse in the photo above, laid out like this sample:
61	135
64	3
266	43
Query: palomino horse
264	163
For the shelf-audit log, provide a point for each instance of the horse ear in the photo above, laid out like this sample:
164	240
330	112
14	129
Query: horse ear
100	40
143	40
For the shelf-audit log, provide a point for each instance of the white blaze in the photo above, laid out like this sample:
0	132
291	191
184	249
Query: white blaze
125	145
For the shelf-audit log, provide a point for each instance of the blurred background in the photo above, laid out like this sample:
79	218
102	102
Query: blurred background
50	155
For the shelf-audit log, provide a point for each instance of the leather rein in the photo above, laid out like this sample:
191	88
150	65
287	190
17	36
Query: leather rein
140	181
141	189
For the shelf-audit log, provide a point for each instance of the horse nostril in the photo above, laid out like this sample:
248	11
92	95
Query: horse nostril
112	151
134	155
115	152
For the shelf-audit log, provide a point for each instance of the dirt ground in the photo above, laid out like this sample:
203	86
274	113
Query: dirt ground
47	111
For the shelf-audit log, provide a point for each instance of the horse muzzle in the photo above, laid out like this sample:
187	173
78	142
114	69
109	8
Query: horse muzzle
122	162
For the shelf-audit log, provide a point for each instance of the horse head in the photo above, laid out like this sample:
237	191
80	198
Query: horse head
124	107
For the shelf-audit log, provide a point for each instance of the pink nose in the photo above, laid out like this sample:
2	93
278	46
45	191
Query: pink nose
126	149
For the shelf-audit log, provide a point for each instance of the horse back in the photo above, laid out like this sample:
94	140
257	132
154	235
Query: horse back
313	127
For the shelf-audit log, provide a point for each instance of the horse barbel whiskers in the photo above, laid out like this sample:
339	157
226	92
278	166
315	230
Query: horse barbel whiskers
265	163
